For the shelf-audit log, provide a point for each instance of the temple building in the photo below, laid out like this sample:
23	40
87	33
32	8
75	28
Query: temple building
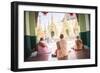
39	29
65	29
52	28
71	27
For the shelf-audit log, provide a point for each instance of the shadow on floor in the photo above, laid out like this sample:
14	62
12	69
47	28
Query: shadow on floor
81	54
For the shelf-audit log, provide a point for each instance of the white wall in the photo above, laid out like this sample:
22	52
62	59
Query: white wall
5	20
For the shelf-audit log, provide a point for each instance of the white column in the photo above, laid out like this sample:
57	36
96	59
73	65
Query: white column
87	22
27	24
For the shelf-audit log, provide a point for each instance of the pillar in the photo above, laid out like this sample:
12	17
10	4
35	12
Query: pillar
30	20
84	22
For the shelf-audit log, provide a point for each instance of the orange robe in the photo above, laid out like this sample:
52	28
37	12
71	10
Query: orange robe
78	44
61	51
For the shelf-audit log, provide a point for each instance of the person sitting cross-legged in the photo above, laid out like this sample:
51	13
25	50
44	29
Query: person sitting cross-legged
61	51
78	44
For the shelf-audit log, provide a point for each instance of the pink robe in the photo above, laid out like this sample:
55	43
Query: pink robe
43	52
